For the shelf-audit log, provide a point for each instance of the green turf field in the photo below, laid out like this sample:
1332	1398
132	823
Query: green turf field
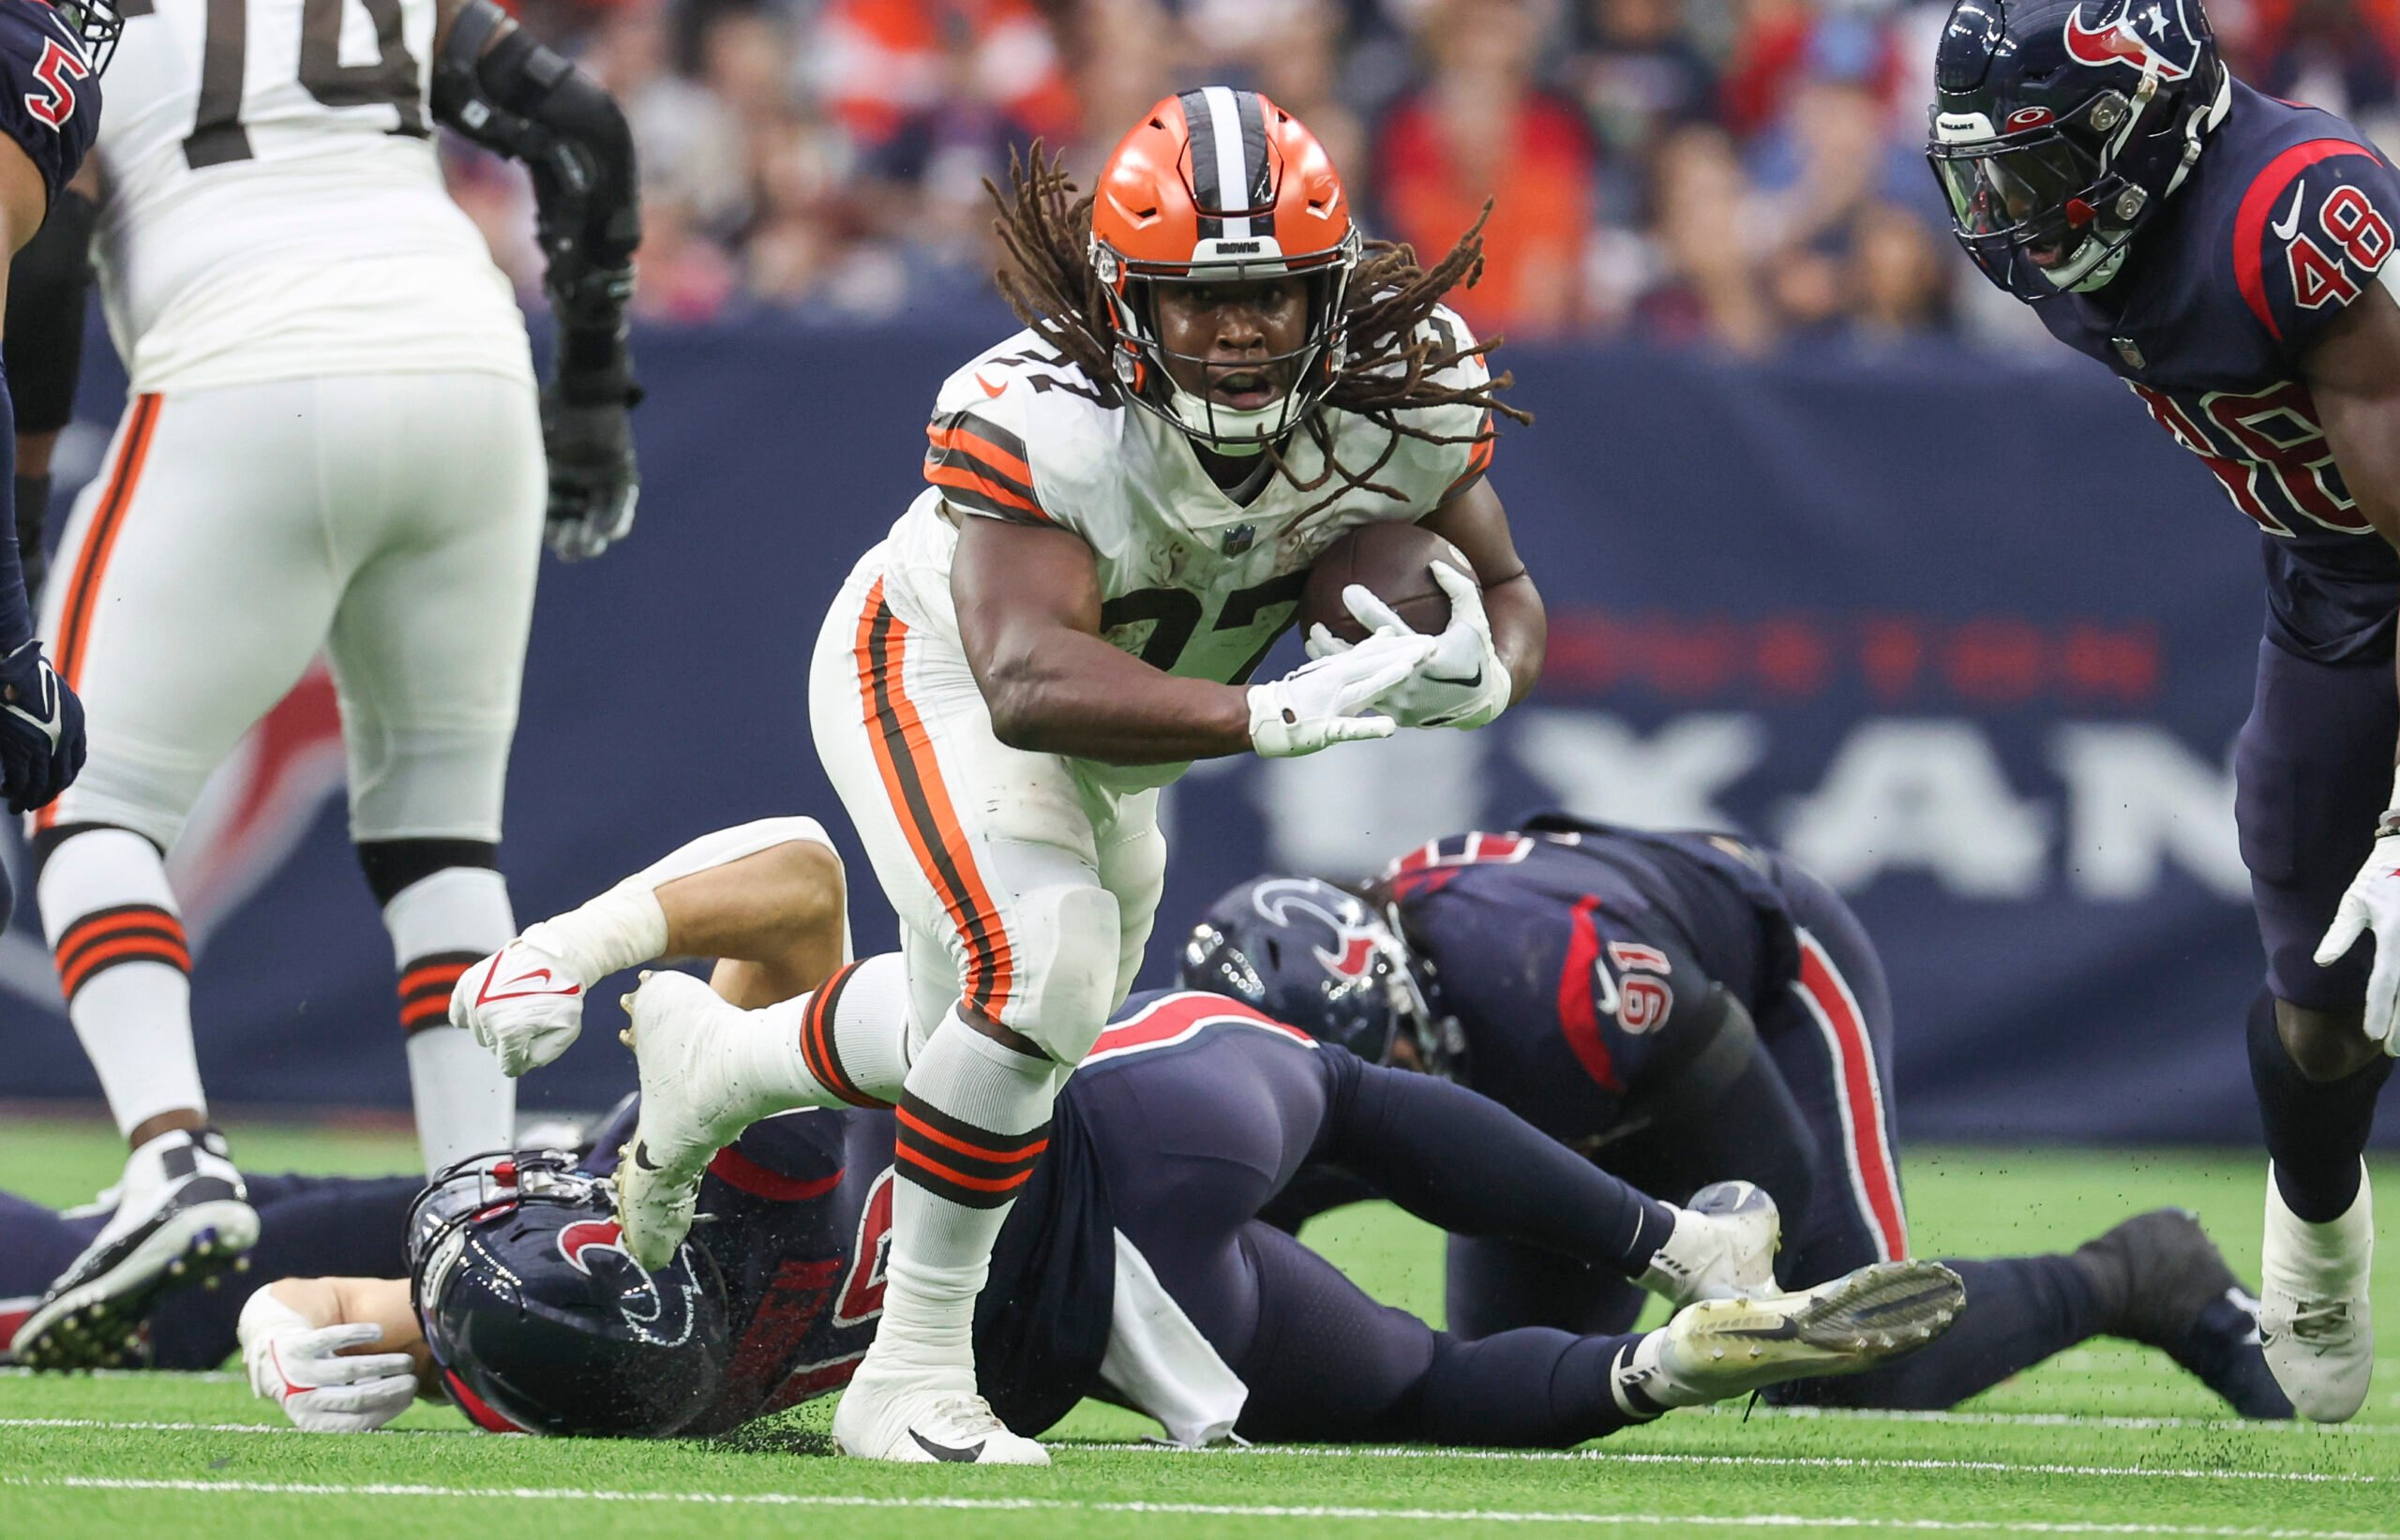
2105	1441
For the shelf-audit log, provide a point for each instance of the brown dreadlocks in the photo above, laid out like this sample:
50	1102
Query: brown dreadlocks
1388	369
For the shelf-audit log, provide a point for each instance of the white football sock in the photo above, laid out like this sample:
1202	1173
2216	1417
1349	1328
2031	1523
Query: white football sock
440	926
125	970
845	1042
973	1118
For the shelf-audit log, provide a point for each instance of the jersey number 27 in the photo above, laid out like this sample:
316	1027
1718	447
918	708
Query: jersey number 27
217	133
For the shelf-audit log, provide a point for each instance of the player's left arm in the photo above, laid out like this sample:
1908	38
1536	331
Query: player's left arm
43	352
499	87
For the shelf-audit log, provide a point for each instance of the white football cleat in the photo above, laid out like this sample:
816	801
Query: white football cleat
2314	1320
1722	1247
182	1217
915	1418
1721	1348
694	1103
523	1002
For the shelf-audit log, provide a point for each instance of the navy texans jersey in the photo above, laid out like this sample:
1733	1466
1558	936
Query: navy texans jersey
1575	957
798	1219
49	99
2287	219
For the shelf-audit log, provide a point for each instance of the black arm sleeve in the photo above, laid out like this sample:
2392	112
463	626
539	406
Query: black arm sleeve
520	99
43	348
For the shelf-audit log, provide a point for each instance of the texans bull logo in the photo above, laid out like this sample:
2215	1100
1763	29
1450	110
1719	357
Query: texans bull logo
1357	938
2118	38
661	1317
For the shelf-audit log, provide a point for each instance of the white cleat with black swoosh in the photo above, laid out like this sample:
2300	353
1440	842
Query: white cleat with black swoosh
911	1418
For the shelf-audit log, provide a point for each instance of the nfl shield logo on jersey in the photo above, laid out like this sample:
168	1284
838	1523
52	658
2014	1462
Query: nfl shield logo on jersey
1240	537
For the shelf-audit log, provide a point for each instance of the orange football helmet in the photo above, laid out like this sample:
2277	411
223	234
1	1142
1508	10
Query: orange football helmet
1219	185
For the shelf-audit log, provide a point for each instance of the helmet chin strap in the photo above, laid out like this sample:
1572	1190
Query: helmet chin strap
1237	431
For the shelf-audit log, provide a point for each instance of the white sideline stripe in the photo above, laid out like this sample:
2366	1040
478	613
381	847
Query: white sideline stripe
1209	1510
1315	1451
1821	1462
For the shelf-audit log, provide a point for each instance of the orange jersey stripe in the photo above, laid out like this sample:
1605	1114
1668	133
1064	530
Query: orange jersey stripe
966	480
976	446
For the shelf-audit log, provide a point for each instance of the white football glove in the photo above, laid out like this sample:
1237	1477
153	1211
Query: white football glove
2372	905
1463	684
1321	702
302	1368
524	1002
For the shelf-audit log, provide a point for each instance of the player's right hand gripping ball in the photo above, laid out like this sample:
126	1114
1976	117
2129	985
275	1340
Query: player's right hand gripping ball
41	730
593	481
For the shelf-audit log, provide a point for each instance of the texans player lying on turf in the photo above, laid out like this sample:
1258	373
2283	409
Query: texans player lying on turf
1132	1268
2228	256
1679	1007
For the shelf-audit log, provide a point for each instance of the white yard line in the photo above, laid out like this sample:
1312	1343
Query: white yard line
1312	1513
1823	1462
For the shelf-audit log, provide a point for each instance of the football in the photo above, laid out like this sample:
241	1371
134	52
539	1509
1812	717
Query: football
1391	561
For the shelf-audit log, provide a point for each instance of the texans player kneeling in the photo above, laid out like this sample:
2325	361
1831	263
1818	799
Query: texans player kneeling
2227	254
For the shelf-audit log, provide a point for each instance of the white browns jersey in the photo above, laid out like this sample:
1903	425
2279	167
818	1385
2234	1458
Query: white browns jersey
1192	581
272	205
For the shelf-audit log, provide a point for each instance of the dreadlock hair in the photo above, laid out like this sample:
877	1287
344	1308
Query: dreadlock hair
1386	370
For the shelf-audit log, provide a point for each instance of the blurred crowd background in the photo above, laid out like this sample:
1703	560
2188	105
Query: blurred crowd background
1743	174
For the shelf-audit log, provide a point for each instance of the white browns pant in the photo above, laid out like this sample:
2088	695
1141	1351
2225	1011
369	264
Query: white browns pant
393	521
1021	887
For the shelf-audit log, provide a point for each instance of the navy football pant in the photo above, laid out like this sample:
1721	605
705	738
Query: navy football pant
1189	1172
308	1227
1810	1121
2311	772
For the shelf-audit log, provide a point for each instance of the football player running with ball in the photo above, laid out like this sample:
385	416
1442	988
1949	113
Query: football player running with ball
1217	378
335	443
2227	254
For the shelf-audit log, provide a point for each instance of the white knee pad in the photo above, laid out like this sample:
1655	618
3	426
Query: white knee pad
1065	943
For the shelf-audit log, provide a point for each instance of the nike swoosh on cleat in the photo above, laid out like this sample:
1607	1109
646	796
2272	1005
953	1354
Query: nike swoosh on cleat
2288	226
945	1452
641	1158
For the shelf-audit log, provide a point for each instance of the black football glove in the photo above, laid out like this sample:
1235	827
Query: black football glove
593	481
41	730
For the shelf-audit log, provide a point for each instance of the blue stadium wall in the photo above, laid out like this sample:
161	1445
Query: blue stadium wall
1971	637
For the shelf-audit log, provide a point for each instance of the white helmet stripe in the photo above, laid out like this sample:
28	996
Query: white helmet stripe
1233	171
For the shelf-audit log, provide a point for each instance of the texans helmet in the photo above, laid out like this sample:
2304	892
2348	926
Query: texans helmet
97	24
540	1321
2059	127
1310	954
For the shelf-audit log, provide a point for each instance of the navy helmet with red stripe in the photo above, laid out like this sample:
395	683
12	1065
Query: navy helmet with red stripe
540	1320
1323	960
2059	127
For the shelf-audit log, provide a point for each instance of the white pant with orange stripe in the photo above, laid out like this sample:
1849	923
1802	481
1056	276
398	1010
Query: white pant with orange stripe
392	521
1022	886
